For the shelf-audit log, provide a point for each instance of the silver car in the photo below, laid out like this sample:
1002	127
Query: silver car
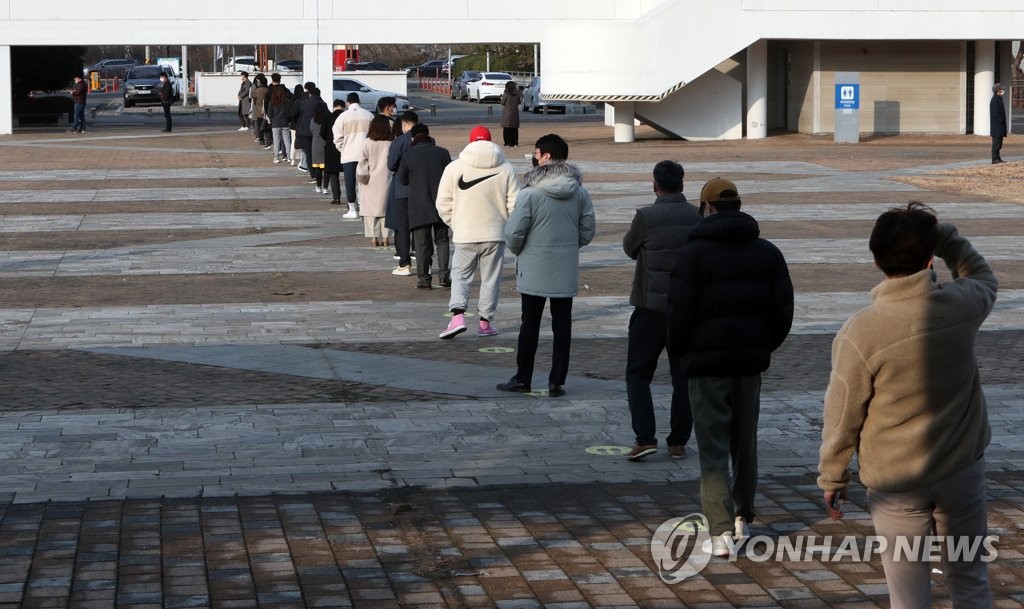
460	86
533	102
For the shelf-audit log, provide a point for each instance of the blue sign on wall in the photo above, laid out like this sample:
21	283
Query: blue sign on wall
847	96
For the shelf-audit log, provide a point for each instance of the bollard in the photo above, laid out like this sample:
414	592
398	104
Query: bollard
490	110
149	113
433	109
93	112
207	113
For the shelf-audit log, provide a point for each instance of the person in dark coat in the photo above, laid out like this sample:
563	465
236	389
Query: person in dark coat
396	215
295	153
997	122
304	137
730	305
166	99
510	101
421	169
332	157
78	94
654	239
244	102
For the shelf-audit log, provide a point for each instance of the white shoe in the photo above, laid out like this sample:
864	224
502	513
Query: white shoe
718	545
317	190
742	531
291	162
402	271
276	161
243	128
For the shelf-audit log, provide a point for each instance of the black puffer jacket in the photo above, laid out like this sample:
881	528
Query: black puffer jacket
730	300
654	239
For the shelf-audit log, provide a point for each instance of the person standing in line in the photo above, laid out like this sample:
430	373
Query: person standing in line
166	99
79	92
396	217
280	109
259	96
349	132
332	157
373	165
476	195
307	107
553	218
510	101
421	169
318	148
905	395
295	152
997	122
654	239
387	106
244	102
730	305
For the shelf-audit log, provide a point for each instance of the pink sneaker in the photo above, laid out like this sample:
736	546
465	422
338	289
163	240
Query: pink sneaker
455	327
486	329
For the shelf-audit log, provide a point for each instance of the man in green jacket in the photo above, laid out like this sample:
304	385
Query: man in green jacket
905	395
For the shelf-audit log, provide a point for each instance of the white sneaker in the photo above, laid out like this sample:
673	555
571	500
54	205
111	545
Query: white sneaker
402	271
742	532
718	545
317	190
351	214
243	128
276	161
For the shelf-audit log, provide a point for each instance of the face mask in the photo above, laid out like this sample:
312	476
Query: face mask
535	161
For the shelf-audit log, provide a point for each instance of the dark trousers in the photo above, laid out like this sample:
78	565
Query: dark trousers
725	414
510	135
318	175
428	238
403	237
243	118
350	180
647	338
529	332
167	116
997	145
332	179
259	131
307	154
79	124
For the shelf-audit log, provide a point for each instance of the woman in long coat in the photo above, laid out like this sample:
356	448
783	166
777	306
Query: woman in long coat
332	157
259	95
510	101
373	195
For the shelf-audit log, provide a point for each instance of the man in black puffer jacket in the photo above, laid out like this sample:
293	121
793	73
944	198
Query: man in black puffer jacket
730	305
654	239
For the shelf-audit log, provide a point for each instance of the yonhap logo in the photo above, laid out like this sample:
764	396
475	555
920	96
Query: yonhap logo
676	548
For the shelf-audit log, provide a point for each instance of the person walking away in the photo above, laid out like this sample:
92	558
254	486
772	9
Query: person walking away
349	132
79	91
295	152
244	102
654	239
510	101
730	305
905	395
316	162
553	218
421	169
373	199
477	193
166	99
332	156
997	122
396	216
259	96
280	110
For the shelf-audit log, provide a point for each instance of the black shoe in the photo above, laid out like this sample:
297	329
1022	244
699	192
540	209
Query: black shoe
424	286
446	284
514	385
997	161
165	131
556	391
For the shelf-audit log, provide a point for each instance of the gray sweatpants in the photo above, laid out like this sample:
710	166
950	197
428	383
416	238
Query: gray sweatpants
488	256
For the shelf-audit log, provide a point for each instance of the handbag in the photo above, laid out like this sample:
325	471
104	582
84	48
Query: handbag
363	172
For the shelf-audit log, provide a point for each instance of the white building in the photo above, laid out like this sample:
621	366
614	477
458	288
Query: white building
697	69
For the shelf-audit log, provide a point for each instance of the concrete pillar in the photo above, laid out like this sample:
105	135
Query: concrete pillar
757	90
625	132
6	95
318	66
183	81
984	79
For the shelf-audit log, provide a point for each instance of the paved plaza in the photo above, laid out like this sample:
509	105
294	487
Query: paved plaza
213	393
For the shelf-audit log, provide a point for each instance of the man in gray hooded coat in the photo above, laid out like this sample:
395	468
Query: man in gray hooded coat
553	218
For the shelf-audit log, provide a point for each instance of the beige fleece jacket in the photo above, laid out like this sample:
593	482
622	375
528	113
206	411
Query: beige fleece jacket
905	392
477	193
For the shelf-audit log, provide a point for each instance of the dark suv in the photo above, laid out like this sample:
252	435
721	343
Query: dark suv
109	68
142	84
435	68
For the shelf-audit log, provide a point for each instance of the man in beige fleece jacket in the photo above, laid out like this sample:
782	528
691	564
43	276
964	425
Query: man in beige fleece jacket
905	395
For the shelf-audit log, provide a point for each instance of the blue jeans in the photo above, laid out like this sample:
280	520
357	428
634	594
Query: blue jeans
79	124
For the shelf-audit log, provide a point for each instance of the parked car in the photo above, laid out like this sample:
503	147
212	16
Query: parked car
460	86
242	63
368	96
367	66
489	86
435	68
109	68
142	84
533	102
288	65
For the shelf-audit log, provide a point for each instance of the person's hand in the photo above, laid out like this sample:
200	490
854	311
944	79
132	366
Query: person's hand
832	505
